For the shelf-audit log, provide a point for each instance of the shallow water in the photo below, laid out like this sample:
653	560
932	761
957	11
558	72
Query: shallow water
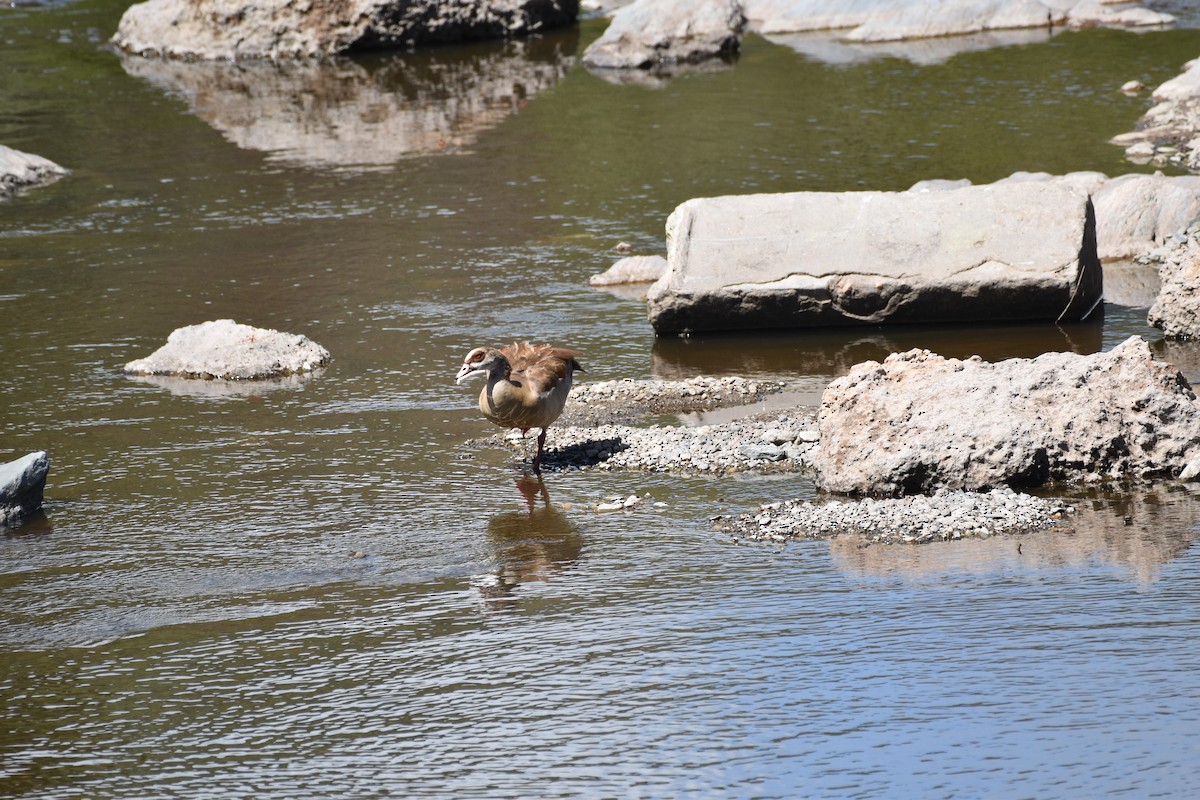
319	589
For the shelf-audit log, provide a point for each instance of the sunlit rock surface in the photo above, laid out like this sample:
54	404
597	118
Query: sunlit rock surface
1012	252
919	422
223	349
232	29
648	33
22	484
18	170
363	113
1176	310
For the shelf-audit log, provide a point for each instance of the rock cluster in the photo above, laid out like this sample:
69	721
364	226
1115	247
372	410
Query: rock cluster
943	516
223	349
233	29
18	169
1169	133
919	422
650	33
22	484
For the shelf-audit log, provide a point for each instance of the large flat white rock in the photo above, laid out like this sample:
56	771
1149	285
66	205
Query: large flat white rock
1004	252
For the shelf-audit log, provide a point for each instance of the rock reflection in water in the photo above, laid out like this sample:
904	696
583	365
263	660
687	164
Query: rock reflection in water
829	353
215	388
832	48
1137	532
366	112
530	545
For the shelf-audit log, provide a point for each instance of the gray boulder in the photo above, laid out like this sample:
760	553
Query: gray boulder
18	170
223	349
919	422
232	29
1016	251
651	33
1169	133
22	483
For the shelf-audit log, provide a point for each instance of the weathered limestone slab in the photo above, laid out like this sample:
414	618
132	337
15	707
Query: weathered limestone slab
1015	251
648	33
18	169
225	350
231	29
919	422
631	269
22	483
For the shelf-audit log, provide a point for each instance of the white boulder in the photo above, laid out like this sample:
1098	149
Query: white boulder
223	349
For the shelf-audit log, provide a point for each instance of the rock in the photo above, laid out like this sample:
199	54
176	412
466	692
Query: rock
22	483
916	20
919	422
633	269
1133	87
893	20
362	113
1136	213
1176	311
225	350
1016	251
650	33
18	169
1090	13
233	29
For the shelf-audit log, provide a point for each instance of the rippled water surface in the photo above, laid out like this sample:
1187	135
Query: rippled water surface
322	590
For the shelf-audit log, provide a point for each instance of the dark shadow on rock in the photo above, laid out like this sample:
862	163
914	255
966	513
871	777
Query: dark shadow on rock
369	111
530	545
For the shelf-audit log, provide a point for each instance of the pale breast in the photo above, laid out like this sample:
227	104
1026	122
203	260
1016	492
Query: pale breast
521	405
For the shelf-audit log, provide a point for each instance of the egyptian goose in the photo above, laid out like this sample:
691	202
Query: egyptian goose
527	385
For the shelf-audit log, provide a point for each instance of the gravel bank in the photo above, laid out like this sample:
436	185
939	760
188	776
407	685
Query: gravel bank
768	441
943	516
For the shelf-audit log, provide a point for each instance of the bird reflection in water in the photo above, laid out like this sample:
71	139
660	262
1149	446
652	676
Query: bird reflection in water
533	544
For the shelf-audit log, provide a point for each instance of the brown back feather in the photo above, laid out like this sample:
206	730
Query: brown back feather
541	364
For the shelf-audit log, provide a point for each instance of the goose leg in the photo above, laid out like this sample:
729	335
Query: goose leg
537	460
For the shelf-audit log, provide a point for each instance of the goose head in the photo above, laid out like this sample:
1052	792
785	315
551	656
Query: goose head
482	359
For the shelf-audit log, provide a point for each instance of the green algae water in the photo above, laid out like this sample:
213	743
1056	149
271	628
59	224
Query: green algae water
319	589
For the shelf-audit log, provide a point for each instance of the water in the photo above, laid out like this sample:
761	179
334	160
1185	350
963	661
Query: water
322	590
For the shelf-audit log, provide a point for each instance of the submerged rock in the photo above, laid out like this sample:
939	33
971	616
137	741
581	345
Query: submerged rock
1019	251
632	269
18	169
650	33
22	483
919	422
225	350
232	29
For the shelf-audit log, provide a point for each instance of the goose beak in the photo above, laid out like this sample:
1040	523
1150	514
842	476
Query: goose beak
465	372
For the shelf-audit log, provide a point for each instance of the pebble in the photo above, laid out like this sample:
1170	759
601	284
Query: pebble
943	516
